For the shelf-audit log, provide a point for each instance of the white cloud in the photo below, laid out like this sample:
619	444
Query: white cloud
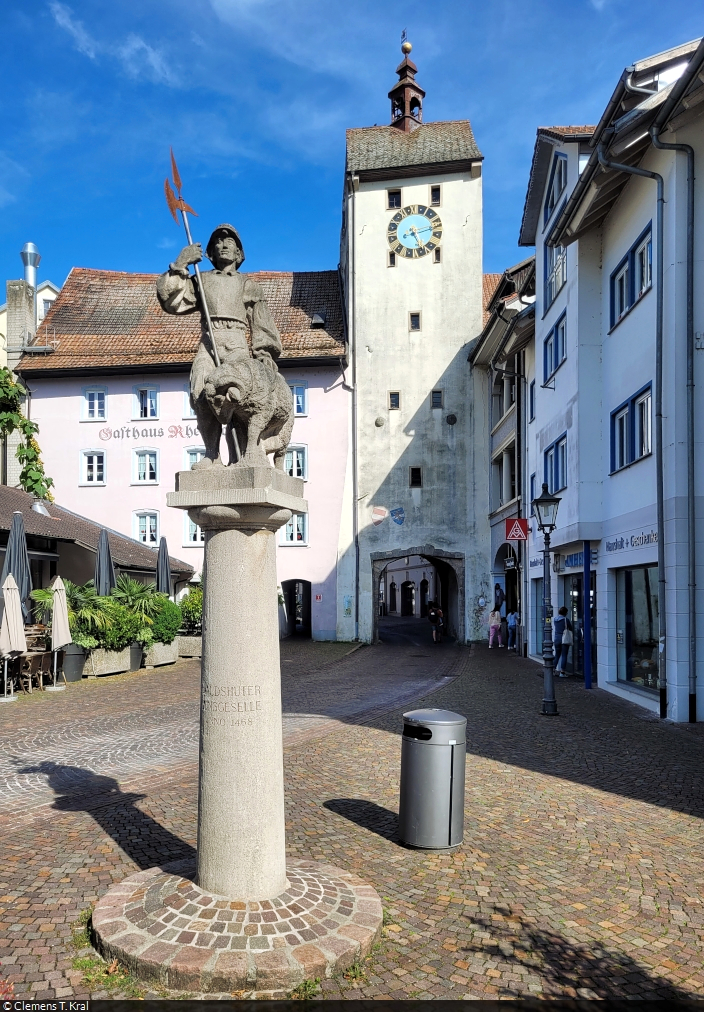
138	58
64	18
166	243
141	59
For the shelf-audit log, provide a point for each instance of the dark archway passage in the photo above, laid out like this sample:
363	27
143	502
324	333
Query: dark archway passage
297	596
449	586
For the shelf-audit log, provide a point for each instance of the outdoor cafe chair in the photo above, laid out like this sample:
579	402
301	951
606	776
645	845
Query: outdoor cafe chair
31	672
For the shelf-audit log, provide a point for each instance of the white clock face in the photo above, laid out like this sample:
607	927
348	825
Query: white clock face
414	231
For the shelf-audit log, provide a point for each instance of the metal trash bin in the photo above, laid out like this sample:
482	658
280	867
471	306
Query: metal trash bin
431	807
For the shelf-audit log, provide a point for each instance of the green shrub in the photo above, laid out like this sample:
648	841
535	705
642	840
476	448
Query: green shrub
192	610
166	622
122	628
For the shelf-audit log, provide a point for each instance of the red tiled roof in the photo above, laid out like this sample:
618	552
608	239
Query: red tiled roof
490	282
567	131
108	319
62	525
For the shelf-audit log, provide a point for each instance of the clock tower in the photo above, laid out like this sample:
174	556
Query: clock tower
411	267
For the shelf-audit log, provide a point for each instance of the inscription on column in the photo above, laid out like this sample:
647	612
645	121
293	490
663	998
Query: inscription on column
231	704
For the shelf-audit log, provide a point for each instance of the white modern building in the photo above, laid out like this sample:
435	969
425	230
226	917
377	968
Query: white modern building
616	415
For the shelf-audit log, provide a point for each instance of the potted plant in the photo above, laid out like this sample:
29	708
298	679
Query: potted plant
86	616
164	627
190	639
143	600
112	653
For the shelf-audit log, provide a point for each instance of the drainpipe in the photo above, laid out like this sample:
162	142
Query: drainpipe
659	479
352	254
691	511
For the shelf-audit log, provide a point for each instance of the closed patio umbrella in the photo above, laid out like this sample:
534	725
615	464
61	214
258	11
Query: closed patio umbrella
12	638
17	563
60	631
104	572
163	569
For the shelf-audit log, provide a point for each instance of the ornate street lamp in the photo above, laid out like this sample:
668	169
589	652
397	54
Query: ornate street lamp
545	510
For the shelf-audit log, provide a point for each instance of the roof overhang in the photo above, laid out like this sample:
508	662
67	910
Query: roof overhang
545	143
624	135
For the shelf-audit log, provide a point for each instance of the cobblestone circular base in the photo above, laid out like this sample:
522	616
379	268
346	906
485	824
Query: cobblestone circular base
162	926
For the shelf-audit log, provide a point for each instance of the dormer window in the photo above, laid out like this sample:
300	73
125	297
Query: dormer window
558	182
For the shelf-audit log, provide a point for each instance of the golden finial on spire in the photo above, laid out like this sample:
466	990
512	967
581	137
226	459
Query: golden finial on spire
406	48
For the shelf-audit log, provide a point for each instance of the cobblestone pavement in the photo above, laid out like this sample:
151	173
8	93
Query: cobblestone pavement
580	874
148	720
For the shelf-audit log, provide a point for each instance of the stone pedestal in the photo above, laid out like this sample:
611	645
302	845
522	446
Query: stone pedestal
235	921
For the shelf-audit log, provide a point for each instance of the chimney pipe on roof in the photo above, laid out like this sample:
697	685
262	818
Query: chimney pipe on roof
30	258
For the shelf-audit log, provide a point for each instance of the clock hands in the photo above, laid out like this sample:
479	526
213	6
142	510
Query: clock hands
414	232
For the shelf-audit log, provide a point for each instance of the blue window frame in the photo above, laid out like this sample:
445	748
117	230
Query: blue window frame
531	401
532	494
555	266
555	464
633	276
555	348
632	429
556	185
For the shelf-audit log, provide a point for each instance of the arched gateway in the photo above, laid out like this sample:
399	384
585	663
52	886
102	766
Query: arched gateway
450	569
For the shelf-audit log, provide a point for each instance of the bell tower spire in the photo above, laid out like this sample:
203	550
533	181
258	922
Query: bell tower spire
406	96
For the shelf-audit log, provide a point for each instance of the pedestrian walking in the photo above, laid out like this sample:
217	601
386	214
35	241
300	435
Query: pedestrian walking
494	628
437	621
512	623
562	639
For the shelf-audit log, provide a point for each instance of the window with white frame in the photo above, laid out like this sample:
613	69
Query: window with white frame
194	454
555	347
644	265
556	465
95	404
188	411
93	467
631	430
147	527
194	534
622	302
146	470
633	277
295	531
621	454
146	402
643	425
296	462
555	272
557	184
300	398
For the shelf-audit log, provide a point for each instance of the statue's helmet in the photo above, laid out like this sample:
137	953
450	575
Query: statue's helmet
218	233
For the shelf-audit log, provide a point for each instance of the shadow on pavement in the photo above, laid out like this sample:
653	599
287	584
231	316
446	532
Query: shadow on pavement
416	632
366	814
588	972
142	839
597	740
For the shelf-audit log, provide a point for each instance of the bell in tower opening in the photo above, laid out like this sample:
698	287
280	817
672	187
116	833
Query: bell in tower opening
407	96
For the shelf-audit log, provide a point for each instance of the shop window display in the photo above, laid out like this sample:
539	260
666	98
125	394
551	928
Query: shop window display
637	619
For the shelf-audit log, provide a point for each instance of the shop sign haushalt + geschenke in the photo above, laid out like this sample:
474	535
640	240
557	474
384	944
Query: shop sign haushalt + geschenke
149	432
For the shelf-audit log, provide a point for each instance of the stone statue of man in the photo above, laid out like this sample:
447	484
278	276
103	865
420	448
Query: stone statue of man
245	393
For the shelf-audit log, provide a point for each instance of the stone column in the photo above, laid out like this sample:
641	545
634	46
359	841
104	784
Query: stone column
241	844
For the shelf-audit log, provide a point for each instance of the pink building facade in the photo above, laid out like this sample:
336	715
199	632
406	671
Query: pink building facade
115	421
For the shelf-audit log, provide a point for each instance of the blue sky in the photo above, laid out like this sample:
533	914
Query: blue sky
255	96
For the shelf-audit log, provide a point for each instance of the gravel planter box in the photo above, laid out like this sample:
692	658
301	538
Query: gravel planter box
161	653
189	646
107	662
